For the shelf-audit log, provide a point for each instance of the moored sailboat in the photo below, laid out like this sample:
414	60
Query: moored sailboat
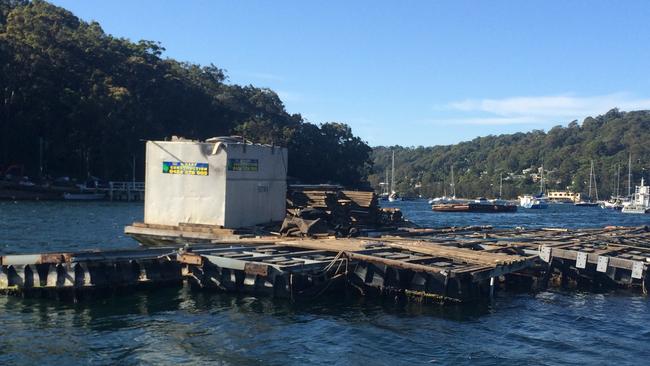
393	196
448	199
615	202
589	202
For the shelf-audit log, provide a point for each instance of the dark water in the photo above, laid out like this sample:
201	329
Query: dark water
179	326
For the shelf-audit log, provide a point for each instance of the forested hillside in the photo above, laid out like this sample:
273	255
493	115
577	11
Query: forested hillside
81	101
565	152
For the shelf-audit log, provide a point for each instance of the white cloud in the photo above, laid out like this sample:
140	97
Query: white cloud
540	109
290	97
492	121
264	76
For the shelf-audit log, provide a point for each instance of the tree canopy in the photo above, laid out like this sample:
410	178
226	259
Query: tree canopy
83	100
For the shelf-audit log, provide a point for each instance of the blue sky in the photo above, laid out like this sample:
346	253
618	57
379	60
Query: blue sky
411	72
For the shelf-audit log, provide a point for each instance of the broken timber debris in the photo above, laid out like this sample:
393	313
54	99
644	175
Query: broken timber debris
339	212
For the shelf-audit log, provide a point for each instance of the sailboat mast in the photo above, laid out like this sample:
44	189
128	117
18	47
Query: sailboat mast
629	176
500	184
385	189
444	188
618	180
591	174
541	181
593	169
453	185
392	174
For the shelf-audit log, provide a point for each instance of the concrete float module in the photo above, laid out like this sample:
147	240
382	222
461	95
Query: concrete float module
223	181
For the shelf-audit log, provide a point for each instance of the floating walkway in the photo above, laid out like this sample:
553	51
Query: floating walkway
438	265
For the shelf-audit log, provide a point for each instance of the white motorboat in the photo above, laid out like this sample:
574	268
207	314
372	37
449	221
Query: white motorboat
640	203
533	201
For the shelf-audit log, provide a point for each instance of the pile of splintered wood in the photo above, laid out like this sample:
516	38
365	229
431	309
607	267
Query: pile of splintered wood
341	210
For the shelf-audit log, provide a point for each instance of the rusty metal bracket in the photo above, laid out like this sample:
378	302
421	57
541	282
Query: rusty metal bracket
55	258
256	269
190	258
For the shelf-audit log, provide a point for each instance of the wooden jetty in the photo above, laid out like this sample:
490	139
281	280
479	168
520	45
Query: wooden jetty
439	265
124	191
114	191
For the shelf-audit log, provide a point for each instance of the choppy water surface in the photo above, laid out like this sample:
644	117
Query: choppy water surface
176	325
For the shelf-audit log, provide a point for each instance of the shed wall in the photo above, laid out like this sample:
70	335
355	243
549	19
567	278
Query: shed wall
171	199
245	185
256	197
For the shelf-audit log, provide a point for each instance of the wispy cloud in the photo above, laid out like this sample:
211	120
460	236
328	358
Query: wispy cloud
495	121
289	96
264	76
538	109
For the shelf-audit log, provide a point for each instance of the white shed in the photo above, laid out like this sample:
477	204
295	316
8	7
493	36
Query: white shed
223	181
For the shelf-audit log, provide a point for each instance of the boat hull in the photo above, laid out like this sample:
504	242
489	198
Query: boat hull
586	204
474	207
634	210
535	206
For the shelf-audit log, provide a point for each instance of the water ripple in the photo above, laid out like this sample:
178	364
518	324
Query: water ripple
178	326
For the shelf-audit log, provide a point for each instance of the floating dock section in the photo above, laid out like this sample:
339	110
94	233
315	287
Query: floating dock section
449	266
77	272
396	268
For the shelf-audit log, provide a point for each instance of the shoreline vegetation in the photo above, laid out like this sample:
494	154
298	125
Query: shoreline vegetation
77	102
565	153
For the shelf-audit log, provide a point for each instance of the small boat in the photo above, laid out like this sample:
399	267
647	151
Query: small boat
640	203
479	205
393	197
539	201
533	201
615	203
445	200
84	196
